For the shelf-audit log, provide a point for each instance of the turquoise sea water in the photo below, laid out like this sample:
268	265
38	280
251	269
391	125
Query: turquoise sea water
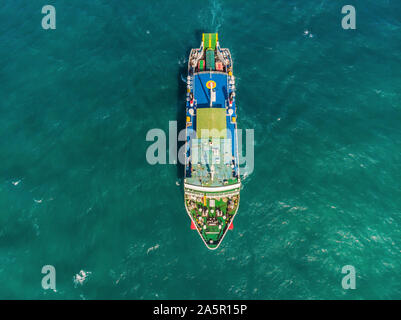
77	193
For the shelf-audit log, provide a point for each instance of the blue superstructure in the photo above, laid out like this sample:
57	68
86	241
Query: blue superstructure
202	97
202	93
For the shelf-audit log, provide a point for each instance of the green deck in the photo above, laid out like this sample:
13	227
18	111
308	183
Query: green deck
211	123
213	232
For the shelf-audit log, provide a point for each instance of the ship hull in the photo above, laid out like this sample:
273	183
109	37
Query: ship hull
212	182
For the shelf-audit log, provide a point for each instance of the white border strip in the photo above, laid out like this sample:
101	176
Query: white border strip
212	189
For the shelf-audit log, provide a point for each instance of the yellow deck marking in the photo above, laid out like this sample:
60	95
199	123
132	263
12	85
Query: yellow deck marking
210	84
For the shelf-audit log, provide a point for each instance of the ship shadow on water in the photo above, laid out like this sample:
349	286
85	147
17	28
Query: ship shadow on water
180	118
182	223
181	101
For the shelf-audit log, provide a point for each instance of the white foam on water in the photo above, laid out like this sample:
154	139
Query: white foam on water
16	183
153	248
81	277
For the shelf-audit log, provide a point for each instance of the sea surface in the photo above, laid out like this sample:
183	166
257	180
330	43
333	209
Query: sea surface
76	190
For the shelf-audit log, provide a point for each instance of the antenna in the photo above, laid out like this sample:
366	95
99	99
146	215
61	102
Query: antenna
211	96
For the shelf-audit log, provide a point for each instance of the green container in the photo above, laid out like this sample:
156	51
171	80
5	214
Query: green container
202	65
210	59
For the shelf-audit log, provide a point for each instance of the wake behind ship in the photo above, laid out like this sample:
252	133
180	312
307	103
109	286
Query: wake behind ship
212	180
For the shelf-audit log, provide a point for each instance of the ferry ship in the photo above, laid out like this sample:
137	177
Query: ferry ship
212	179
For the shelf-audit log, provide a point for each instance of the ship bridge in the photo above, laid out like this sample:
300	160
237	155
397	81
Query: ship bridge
210	89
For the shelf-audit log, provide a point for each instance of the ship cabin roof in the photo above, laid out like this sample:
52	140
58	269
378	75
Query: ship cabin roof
212	150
